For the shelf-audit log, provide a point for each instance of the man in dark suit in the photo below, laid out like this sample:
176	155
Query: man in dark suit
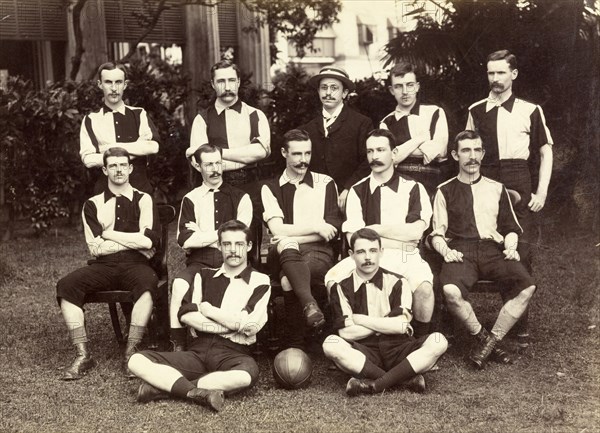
339	133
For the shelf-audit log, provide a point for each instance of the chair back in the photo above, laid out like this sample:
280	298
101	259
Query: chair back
166	214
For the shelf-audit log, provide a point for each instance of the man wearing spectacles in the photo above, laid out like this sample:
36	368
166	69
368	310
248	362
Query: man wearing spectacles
338	134
118	125
421	130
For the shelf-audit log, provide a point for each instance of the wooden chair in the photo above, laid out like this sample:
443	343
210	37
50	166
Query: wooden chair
158	327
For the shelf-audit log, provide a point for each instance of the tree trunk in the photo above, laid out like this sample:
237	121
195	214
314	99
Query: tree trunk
87	46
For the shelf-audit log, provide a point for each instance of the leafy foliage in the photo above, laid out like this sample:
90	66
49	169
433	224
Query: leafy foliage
39	138
557	46
39	141
297	20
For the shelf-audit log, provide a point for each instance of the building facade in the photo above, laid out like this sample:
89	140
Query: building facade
37	39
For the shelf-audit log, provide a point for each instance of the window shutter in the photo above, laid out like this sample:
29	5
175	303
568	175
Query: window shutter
35	20
228	25
122	25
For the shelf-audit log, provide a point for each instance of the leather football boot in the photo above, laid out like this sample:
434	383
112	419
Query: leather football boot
313	315
213	399
501	356
356	386
482	350
523	342
147	393
416	384
82	363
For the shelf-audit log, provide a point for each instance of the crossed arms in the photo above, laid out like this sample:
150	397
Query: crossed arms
91	156
102	241
364	326
205	317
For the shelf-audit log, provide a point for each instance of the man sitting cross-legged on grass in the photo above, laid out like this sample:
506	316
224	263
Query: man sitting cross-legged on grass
121	228
371	311
224	309
203	210
302	213
477	233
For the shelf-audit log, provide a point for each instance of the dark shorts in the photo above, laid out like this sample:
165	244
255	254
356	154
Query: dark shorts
318	256
485	260
515	174
97	276
206	354
387	351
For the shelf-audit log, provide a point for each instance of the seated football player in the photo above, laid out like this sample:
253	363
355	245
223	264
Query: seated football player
223	309
121	230
371	313
203	210
477	233
302	214
399	210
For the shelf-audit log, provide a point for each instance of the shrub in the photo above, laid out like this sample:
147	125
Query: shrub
39	138
39	141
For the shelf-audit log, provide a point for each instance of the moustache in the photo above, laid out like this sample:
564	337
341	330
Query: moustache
376	164
228	94
301	165
234	256
367	264
215	175
473	163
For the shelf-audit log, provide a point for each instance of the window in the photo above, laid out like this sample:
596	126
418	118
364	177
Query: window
322	47
366	34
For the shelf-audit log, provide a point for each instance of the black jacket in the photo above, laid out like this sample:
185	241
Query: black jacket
342	155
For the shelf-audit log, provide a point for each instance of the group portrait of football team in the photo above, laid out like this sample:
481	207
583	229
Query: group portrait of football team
380	192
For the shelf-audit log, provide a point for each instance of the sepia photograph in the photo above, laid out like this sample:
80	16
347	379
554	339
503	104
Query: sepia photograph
300	216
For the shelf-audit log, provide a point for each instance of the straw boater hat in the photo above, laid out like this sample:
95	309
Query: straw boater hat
332	72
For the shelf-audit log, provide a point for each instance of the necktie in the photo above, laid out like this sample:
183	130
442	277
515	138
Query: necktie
328	122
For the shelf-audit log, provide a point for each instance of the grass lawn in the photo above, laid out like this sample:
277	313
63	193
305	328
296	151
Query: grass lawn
553	387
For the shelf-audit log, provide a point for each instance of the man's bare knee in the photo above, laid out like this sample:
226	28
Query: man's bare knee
332	346
136	361
526	295
424	291
452	294
436	344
